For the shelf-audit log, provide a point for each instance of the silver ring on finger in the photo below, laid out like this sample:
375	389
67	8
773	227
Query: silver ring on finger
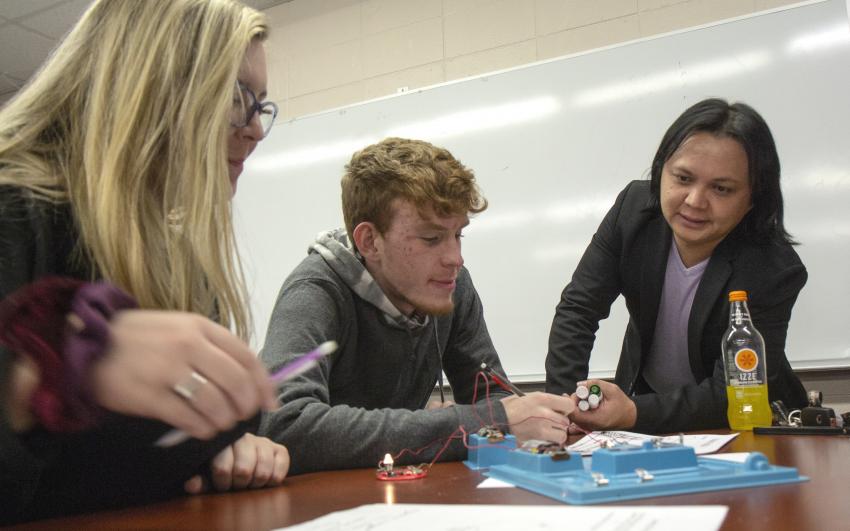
188	387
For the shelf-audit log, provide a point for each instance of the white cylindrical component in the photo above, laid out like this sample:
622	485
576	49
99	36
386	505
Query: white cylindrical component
582	392
583	405
593	401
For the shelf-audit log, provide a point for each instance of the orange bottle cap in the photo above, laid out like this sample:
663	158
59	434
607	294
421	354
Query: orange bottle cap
737	296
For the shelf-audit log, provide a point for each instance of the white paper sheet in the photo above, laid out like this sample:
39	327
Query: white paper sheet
381	517
493	483
702	443
735	457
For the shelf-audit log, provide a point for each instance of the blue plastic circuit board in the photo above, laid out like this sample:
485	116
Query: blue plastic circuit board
484	452
627	472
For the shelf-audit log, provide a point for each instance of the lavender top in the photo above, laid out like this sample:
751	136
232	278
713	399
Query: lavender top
667	366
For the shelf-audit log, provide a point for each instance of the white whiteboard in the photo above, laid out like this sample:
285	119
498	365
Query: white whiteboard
553	143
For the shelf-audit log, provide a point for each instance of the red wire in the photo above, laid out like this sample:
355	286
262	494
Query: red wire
481	374
420	450
465	439
461	433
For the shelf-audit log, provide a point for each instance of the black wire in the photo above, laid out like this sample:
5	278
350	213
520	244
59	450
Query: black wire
440	358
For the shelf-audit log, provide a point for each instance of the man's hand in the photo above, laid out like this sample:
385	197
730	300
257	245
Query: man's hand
539	416
616	411
436	404
251	462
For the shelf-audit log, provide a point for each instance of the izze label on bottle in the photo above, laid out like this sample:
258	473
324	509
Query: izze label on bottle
746	361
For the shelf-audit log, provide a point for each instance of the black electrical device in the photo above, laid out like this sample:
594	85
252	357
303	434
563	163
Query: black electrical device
800	430
817	416
811	420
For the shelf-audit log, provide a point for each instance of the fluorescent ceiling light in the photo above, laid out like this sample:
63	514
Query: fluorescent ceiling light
674	78
821	178
562	212
830	38
309	155
556	254
491	117
454	124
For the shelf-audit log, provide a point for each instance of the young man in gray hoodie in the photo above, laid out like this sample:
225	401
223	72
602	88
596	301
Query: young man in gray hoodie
403	309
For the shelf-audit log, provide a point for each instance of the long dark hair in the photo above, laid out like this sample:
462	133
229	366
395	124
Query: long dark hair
741	122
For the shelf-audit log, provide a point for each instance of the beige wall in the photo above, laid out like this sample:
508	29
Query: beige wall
328	53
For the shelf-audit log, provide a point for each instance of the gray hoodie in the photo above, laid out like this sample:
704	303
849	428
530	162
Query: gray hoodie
366	399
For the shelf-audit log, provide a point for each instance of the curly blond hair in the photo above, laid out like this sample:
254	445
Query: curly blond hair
414	170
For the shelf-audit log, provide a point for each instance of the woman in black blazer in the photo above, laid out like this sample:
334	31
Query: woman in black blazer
708	222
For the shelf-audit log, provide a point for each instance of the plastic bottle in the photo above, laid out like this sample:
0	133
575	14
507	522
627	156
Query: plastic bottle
745	368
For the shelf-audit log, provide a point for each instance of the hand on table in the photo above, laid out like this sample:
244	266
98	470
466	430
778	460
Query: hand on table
250	463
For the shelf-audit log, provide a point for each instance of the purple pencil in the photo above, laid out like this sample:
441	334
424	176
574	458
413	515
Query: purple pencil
289	371
302	364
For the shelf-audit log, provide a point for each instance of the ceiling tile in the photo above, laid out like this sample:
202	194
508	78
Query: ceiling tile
8	84
264	4
56	22
12	9
30	50
46	18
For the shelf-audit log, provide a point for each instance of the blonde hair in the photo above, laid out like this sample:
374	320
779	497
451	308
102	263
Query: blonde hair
414	170
127	122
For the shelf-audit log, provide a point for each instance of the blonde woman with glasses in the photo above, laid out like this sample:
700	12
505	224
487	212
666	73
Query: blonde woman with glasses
123	312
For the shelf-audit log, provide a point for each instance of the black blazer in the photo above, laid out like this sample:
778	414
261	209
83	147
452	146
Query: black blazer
628	256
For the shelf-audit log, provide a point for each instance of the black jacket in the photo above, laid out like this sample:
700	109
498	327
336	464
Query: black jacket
46	474
628	256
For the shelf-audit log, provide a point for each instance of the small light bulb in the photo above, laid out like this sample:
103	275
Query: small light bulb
388	462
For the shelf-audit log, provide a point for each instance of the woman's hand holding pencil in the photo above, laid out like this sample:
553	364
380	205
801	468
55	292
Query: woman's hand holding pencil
287	372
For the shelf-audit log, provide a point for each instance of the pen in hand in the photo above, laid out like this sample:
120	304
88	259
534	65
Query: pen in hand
302	364
289	371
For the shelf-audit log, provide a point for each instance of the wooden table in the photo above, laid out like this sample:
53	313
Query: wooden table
820	504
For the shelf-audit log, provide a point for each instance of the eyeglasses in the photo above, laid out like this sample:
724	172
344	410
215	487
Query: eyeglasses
245	105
